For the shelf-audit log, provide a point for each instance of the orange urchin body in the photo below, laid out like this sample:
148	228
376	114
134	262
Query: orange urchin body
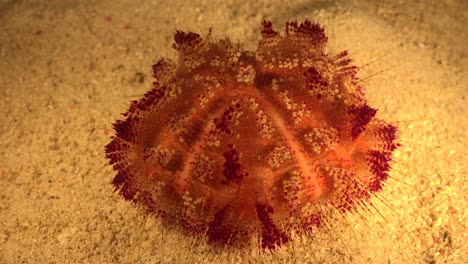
246	148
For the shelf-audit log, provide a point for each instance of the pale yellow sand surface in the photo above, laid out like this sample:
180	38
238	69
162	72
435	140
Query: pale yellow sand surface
69	68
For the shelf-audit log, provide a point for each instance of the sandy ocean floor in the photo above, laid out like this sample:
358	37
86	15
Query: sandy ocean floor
69	68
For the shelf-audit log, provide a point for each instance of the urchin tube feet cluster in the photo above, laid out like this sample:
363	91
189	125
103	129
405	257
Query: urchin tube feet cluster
246	148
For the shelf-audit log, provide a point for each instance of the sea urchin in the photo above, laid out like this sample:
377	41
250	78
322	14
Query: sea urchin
246	148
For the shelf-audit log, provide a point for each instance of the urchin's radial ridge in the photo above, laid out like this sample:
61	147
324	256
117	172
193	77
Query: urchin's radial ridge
245	148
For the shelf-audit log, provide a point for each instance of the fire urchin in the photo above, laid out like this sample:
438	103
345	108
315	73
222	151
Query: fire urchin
246	148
